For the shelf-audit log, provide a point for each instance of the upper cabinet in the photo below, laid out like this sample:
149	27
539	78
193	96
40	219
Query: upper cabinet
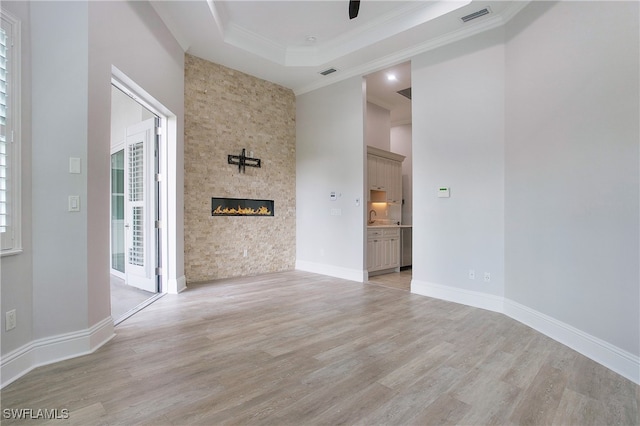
376	169
384	175
394	179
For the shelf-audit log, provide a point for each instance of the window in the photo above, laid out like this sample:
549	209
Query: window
10	241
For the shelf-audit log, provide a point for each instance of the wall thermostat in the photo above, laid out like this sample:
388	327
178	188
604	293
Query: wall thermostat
333	196
443	192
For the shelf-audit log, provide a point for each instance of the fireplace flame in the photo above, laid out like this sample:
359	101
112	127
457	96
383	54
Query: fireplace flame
262	211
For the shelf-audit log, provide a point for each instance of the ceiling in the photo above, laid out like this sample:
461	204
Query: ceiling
383	91
291	42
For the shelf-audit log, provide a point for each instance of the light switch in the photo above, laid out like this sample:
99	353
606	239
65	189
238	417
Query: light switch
74	165
74	203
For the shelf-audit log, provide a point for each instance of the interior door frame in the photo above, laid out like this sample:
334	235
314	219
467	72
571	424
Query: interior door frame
167	173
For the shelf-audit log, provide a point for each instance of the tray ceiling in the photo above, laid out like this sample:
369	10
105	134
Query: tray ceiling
291	42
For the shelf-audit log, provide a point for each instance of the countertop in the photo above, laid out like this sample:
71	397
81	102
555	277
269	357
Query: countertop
389	226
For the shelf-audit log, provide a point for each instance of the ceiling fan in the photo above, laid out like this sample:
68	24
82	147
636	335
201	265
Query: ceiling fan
354	6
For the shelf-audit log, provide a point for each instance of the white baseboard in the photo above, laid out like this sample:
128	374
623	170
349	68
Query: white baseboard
48	350
612	357
177	285
476	299
331	270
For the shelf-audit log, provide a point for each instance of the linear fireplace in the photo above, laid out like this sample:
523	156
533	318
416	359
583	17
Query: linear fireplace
241	207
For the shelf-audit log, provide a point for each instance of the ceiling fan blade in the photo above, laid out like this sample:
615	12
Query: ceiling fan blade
354	7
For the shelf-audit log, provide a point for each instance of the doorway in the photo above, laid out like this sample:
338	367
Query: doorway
388	127
135	237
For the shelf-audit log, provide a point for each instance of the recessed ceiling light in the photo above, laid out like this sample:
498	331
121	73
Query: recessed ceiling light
391	77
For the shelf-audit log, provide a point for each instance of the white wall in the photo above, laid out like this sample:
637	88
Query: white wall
330	156
74	46
458	137
60	76
401	143
535	129
572	173
377	127
154	49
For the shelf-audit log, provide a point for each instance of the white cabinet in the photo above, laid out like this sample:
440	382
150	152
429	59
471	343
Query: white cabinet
394	182
374	258
376	173
383	248
379	171
384	173
392	251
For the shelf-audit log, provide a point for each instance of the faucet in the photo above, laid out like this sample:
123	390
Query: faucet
374	213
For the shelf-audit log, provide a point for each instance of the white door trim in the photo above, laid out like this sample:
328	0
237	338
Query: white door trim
169	281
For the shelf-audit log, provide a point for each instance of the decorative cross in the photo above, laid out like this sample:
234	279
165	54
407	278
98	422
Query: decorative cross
242	160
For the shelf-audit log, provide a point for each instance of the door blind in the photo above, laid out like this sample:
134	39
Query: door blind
136	172
136	196
136	251
4	146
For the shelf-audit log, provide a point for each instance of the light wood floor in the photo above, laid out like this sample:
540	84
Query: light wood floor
296	348
126	300
398	280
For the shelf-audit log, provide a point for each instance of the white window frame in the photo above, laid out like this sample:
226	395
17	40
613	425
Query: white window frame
13	244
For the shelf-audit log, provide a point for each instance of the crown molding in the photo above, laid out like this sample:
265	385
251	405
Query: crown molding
254	43
388	25
483	25
171	26
219	15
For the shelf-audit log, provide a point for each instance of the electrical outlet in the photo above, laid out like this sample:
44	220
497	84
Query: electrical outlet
10	320
244	253
472	274
487	277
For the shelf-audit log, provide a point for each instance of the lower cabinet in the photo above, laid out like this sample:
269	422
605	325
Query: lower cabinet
383	249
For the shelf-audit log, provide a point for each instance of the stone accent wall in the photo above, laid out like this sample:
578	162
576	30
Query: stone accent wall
225	111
